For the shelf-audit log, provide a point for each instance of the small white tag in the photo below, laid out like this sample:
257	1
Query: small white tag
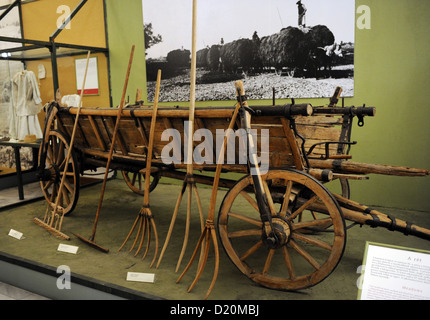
67	248
140	277
15	234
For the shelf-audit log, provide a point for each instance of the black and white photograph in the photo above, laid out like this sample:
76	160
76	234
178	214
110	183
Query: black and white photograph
295	49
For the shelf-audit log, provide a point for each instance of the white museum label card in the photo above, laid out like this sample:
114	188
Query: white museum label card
15	234
67	248
395	273
141	277
92	80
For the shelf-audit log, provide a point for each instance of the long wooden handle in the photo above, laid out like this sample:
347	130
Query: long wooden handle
72	139
211	214
112	147
151	140
192	90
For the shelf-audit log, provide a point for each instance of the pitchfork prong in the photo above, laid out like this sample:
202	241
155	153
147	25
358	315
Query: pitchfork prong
207	235
187	228
202	265
148	231
130	233
141	231
146	226
192	257
156	242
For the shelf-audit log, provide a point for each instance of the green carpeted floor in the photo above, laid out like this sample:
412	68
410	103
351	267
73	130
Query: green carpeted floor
119	210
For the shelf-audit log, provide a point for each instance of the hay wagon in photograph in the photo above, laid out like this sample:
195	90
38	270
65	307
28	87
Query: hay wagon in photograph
281	227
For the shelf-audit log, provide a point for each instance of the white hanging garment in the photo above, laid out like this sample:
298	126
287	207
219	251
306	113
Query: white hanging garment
27	104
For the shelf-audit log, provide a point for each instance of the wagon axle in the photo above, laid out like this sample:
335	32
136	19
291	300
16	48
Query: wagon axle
279	235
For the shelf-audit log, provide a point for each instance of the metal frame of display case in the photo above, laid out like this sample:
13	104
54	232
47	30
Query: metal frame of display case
55	49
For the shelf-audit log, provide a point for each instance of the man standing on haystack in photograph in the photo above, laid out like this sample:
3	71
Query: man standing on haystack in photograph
302	14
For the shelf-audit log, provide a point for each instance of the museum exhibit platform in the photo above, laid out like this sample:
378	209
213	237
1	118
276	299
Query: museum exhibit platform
304	236
31	263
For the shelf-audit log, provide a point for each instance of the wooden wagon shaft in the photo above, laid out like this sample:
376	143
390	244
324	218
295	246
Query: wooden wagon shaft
361	214
350	167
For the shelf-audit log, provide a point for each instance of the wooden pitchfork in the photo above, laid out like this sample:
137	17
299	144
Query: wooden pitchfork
209	233
145	217
49	219
189	182
91	240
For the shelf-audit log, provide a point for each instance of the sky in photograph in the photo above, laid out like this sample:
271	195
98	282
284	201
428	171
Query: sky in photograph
232	20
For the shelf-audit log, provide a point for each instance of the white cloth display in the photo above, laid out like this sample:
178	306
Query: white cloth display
26	105
72	100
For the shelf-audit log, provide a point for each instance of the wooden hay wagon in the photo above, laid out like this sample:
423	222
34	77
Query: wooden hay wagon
281	227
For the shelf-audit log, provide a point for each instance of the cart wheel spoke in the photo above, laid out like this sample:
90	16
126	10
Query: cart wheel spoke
286	200
68	186
47	186
303	207
49	155
133	181
251	250
250	200
269	199
288	262
305	254
312	240
245	233
268	261
61	154
244	218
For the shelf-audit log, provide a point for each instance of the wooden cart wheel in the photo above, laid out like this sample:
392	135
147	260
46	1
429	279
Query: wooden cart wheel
56	153
136	181
304	257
